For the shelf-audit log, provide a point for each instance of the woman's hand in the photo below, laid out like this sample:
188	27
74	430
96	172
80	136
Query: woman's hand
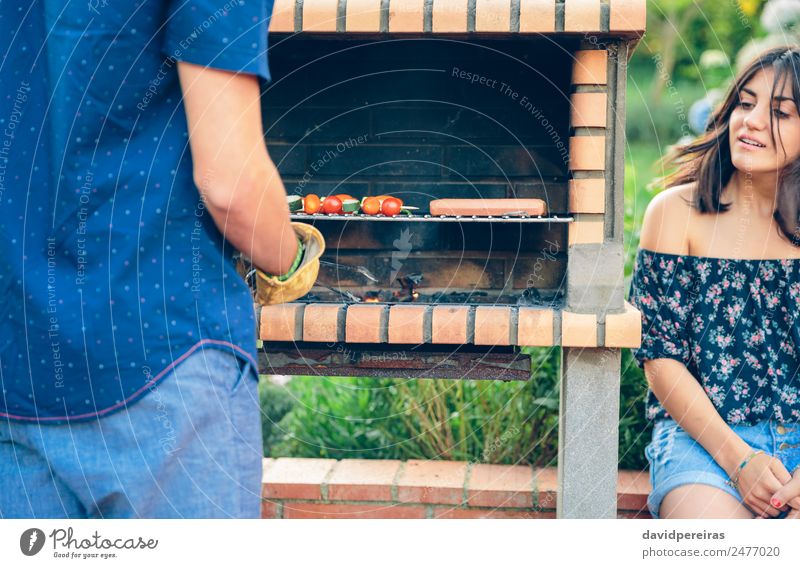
789	495
763	477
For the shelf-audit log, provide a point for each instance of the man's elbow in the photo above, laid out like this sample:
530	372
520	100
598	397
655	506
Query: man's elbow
218	192
233	191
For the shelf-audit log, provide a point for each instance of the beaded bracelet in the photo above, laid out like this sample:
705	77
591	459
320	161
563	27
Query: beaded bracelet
297	259
734	481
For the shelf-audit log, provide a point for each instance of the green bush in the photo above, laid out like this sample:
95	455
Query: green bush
492	421
659	123
634	429
480	421
275	404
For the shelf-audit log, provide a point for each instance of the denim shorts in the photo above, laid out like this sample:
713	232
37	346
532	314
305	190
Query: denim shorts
677	459
189	448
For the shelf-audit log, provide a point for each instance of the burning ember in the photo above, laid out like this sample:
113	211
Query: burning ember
408	292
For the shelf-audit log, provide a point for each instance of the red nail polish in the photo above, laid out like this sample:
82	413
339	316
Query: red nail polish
776	503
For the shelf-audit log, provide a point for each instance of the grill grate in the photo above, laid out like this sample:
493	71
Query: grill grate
556	218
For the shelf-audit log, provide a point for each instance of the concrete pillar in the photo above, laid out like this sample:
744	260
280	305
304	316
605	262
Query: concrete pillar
588	433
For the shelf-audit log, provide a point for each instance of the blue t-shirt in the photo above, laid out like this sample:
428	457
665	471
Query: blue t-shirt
111	270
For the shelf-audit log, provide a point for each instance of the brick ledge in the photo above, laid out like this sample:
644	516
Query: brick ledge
446	324
383	489
625	17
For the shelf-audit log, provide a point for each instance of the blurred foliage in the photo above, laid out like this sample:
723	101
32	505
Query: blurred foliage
681	30
276	402
486	421
689	50
478	421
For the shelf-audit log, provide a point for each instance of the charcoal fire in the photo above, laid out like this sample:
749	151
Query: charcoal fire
408	292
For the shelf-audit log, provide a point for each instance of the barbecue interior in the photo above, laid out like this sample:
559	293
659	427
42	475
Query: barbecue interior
424	119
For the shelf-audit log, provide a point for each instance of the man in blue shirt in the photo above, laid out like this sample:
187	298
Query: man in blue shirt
127	339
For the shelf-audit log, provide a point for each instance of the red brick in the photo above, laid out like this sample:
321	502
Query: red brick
578	330
628	15
279	322
492	325
363	480
582	16
500	486
282	19
625	329
583	231
452	513
406	15
348	511
295	478
320	15
587	195
449	16
546	487
321	322
450	324
535	327
492	16
590	67
440	482
537	16
363	324
633	488
406	324
587	153
588	110
270	509
634	514
363	16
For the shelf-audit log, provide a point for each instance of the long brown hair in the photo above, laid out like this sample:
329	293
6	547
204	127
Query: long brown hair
707	159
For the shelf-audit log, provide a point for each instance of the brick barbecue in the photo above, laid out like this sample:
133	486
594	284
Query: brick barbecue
442	99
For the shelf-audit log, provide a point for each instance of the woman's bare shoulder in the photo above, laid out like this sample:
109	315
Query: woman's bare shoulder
665	226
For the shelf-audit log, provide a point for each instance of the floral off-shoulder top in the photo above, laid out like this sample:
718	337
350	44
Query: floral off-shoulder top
732	322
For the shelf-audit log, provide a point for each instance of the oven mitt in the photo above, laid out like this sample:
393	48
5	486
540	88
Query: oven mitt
301	278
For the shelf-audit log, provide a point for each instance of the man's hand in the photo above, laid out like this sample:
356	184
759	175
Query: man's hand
282	289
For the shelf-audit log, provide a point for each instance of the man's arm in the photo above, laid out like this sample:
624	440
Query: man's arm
237	180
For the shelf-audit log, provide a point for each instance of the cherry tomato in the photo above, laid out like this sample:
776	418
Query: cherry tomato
343	196
382	198
332	205
312	204
391	206
371	206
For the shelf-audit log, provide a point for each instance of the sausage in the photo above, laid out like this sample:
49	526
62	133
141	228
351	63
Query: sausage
486	207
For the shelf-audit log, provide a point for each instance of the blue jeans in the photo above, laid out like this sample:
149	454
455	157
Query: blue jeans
189	448
677	459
